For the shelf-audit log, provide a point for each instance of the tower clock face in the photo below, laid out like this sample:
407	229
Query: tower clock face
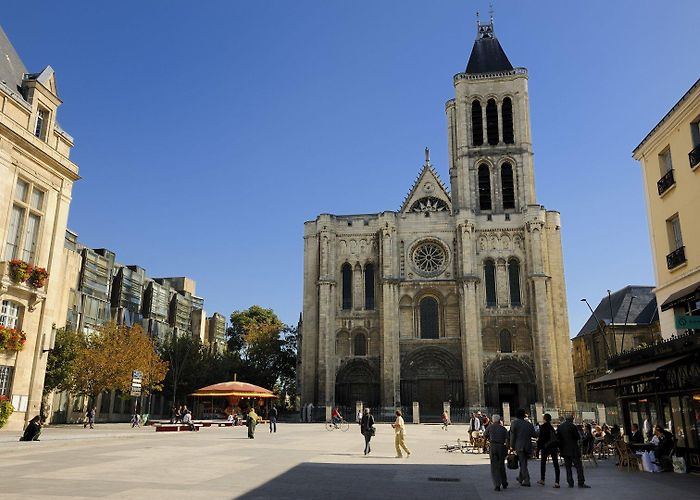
429	258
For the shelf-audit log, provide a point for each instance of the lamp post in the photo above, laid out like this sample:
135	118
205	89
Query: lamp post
602	332
612	323
624	328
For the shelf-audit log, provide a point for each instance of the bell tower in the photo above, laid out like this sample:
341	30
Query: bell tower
488	121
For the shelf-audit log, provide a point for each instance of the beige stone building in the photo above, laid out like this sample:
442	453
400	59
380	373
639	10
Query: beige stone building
36	180
458	296
216	332
670	159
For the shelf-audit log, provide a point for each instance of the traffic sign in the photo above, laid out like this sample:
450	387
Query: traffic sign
135	392
687	322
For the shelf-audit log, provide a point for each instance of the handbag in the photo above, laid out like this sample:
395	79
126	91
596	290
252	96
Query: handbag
512	461
372	430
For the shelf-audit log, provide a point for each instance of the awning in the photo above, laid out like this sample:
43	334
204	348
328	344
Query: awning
640	373
239	389
687	294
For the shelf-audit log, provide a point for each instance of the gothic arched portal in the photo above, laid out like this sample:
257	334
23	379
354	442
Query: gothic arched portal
509	380
357	380
431	376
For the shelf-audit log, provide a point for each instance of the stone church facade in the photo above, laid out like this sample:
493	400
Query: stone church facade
459	296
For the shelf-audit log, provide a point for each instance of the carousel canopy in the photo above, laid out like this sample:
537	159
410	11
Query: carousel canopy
240	389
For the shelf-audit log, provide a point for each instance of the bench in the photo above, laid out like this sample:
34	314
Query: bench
175	427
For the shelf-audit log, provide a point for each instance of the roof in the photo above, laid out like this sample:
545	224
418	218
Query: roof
487	54
234	388
12	68
634	371
642	311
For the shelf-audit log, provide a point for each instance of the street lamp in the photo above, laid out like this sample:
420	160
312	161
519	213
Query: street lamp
602	332
624	328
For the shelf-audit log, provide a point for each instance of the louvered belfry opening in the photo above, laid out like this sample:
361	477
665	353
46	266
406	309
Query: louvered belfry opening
492	122
490	283
477	124
507	186
484	187
507	119
369	287
346	272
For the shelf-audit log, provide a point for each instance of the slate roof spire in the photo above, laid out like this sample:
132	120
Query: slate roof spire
487	54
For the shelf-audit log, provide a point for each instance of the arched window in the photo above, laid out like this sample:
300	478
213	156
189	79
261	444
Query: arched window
346	271
429	318
490	283
514	281
360	347
484	187
492	122
507	120
506	341
477	124
369	287
507	186
9	314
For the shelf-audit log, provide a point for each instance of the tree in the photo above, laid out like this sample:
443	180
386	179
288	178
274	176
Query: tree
184	354
60	364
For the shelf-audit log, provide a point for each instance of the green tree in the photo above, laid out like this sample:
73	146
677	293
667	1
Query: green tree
184	354
60	364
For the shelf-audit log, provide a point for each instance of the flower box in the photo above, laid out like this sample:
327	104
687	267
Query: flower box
12	339
37	277
19	270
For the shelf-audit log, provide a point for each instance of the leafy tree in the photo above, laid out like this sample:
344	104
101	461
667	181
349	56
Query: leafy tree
184	354
60	364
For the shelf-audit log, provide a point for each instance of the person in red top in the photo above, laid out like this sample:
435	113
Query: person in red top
336	417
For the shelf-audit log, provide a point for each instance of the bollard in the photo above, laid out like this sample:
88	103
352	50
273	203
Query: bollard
506	413
601	414
416	412
358	409
539	413
329	410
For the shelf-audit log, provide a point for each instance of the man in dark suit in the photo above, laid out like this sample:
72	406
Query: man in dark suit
570	449
636	437
521	434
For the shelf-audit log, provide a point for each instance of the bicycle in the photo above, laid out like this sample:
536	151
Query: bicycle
343	425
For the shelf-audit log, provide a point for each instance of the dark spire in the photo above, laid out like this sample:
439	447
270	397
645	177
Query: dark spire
487	54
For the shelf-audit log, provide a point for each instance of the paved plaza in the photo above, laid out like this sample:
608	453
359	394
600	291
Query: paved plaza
299	461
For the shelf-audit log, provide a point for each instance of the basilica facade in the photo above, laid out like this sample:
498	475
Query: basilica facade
459	296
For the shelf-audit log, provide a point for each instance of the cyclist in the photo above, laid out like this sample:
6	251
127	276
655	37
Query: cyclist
336	417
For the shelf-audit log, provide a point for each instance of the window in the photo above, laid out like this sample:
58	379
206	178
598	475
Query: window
484	187
9	314
695	133
507	119
360	346
675	238
507	187
429	318
346	272
41	123
514	281
25	222
506	341
490	283
665	163
492	122
5	380
369	287
477	124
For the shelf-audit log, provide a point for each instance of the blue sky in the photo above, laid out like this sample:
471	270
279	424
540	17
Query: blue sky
208	132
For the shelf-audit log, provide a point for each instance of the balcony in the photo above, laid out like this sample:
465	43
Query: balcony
694	157
676	258
666	182
22	290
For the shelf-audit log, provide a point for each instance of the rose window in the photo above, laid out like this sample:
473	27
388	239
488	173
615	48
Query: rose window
429	258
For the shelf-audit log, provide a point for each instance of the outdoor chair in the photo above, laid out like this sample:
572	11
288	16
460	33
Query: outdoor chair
627	456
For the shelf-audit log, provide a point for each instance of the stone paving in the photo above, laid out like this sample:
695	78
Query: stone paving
299	461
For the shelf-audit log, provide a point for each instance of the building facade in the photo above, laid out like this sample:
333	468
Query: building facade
626	319
36	181
216	332
459	296
670	160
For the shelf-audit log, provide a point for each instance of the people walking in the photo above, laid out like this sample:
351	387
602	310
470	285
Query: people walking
400	434
90	418
569	439
367	428
273	419
548	445
251	422
445	420
521	434
135	421
497	435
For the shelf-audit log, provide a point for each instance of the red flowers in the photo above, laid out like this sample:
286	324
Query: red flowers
21	272
12	339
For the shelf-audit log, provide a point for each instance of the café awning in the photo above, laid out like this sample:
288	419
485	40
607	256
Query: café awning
682	296
633	374
235	388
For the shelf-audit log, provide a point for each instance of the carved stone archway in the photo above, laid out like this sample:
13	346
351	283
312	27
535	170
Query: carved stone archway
509	379
357	380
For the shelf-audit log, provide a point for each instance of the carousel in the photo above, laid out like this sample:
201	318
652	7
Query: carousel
231	399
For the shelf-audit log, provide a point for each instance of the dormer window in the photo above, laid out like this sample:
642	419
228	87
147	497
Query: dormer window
42	117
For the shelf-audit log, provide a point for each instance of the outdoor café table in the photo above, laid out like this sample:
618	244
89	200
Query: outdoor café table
641	447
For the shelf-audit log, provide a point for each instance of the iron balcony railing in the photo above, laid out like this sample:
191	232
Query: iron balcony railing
694	156
665	182
676	258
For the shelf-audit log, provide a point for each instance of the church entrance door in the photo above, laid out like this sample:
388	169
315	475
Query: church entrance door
357	381
508	393
509	380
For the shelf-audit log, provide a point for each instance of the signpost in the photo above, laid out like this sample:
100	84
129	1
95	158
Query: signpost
688	322
136	379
